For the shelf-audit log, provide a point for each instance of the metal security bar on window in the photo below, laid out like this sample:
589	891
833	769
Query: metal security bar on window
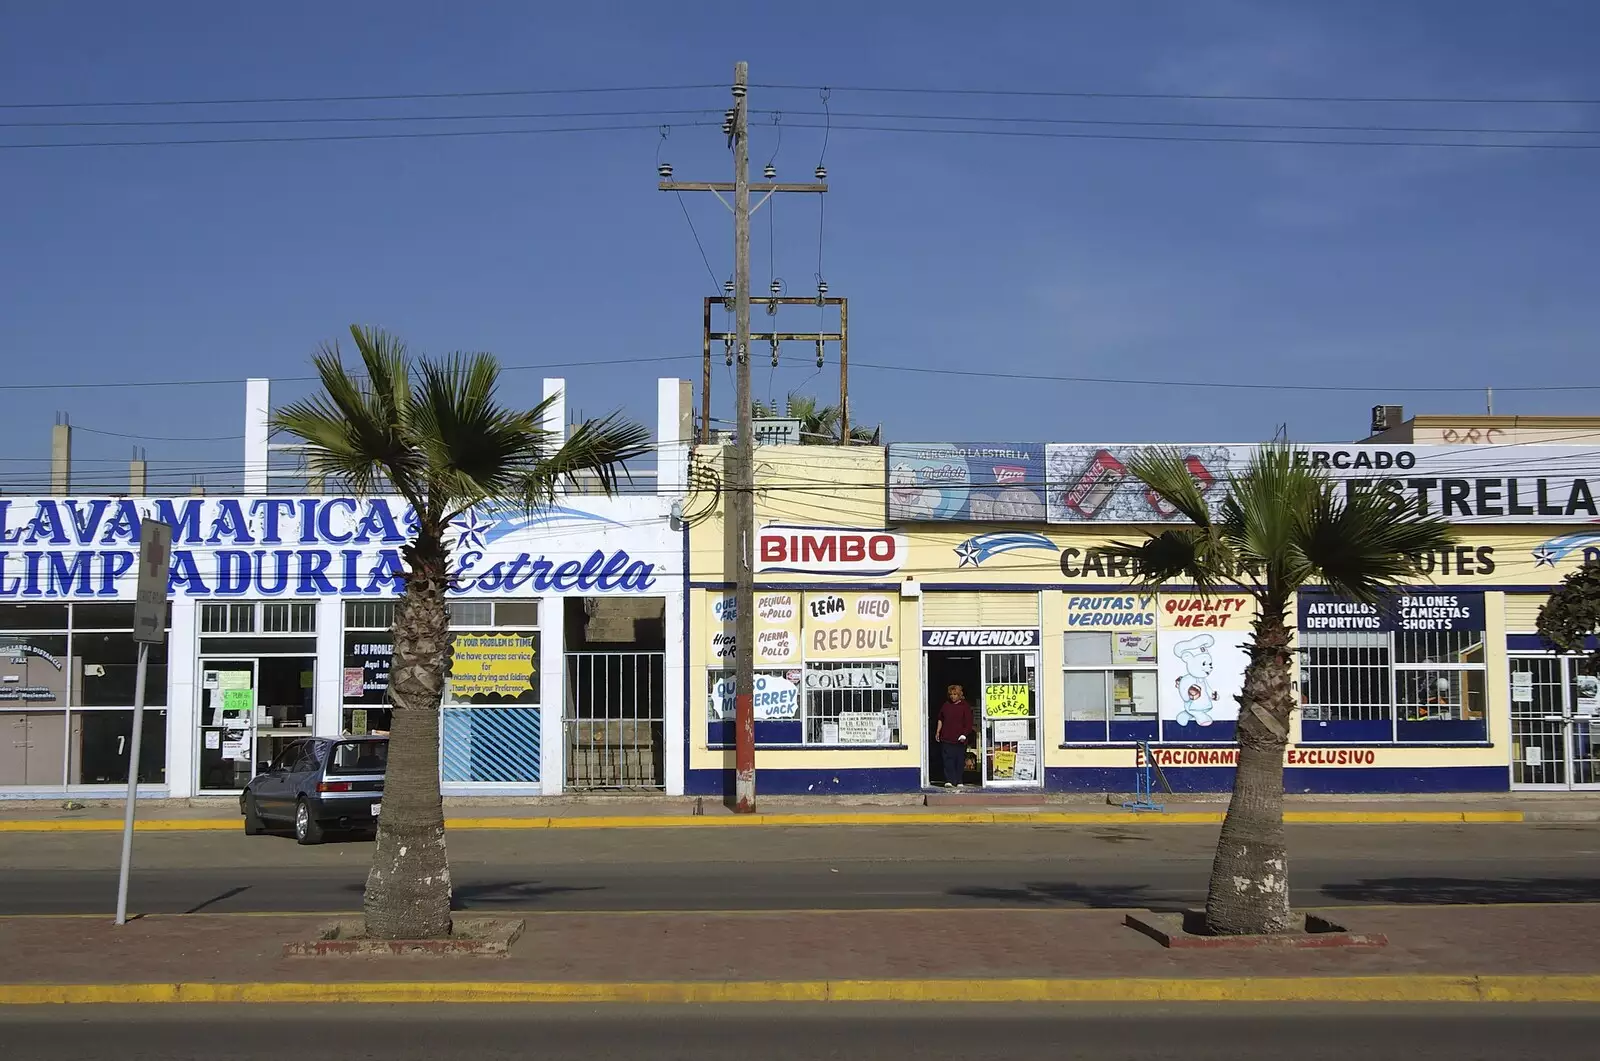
368	615
614	718
851	703
1463	648
1344	677
283	617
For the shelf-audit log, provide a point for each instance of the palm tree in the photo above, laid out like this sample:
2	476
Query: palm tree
819	424
434	432
1282	527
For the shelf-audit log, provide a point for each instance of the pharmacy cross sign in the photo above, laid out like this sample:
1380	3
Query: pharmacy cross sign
150	601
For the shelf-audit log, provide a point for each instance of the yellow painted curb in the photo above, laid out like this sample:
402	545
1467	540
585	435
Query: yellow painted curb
1351	989
654	821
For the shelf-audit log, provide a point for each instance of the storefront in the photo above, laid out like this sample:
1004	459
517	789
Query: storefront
1004	565
282	608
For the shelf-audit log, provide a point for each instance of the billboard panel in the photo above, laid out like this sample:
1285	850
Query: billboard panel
984	482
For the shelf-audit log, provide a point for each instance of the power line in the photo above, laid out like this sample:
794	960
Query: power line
158	438
319	119
79	385
1156	137
419	135
246	100
1204	96
1145	123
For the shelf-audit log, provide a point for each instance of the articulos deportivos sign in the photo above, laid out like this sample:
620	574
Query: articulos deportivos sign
57	548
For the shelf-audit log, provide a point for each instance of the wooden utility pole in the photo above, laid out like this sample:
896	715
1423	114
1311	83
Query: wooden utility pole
739	522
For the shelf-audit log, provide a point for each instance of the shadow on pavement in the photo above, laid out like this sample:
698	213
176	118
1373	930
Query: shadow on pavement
218	898
1068	893
1465	891
497	892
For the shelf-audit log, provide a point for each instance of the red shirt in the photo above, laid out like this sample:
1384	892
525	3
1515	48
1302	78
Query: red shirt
955	721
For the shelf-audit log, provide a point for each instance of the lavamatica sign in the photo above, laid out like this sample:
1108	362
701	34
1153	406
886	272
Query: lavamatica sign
52	548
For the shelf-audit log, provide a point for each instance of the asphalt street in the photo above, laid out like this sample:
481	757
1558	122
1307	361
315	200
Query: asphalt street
774	868
998	1033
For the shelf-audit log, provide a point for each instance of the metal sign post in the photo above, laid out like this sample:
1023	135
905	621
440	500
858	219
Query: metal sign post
149	628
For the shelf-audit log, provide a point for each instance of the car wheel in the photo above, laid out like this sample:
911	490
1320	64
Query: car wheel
253	825
306	829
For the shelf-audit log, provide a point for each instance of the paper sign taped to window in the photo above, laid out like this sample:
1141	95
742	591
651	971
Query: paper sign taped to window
1011	730
1006	701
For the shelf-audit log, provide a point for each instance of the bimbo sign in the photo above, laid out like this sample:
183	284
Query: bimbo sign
828	550
56	548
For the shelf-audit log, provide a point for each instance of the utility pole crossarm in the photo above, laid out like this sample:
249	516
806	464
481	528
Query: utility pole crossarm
724	186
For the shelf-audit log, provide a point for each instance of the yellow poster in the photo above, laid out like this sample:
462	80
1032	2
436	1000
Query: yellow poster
1005	762
1005	701
492	665
851	626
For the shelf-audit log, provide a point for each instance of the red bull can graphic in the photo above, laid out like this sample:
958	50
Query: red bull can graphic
1095	486
1202	477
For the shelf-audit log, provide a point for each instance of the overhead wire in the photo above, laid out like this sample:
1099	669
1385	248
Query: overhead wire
417	135
369	98
1206	96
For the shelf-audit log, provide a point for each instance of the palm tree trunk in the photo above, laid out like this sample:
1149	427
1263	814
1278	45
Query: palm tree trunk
408	887
1249	892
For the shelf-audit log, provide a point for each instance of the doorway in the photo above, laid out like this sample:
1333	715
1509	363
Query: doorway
250	709
942	670
1555	724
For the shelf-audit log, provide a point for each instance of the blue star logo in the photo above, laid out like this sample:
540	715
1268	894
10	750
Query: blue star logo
470	529
975	550
1548	554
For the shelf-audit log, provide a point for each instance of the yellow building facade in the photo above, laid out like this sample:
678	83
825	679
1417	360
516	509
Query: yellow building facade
886	575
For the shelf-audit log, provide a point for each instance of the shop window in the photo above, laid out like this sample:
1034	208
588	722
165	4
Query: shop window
285	617
776	705
1407	686
99	748
1109	686
851	703
368	651
33	617
236	618
487	735
105	669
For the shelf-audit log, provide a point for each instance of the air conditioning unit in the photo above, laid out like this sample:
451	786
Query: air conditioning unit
1387	417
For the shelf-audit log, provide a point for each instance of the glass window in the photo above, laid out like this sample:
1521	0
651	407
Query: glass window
364	757
776	697
105	667
516	613
288	756
106	616
1405	686
288	617
1109	686
368	614
33	670
34	617
99	748
364	721
851	703
1085	650
493	667
471	613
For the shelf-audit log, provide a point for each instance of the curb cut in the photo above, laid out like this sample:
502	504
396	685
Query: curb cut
646	821
1353	989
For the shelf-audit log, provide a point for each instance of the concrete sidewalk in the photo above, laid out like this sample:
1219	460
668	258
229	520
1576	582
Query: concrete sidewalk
1456	953
214	814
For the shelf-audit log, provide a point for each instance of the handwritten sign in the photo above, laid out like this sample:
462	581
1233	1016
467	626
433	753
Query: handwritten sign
851	626
238	701
1006	701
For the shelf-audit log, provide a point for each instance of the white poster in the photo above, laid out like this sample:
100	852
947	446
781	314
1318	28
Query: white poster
1027	768
1201	676
861	727
1010	730
776	697
1588	693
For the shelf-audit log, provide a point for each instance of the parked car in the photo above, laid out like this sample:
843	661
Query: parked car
318	785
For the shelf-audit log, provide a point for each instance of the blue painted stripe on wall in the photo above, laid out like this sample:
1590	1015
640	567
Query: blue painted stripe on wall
1332	780
490	744
857	782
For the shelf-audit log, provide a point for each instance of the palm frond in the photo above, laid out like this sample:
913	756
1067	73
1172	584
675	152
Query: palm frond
1264	510
353	431
1164	471
1368	541
1192	554
600	448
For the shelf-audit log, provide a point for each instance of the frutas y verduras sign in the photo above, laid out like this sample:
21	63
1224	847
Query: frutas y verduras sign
87	548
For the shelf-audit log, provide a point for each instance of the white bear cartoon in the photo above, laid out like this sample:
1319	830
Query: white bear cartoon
1195	695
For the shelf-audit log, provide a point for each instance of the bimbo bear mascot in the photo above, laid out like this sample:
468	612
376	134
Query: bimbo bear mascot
1195	694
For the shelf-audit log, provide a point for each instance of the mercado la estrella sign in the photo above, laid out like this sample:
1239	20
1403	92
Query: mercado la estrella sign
52	548
1094	483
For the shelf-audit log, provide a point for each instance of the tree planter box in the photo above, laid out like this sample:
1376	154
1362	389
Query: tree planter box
1187	930
484	936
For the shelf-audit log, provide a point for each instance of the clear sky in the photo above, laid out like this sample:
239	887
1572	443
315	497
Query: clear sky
1064	255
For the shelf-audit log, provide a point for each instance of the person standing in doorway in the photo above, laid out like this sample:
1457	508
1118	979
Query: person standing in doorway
951	732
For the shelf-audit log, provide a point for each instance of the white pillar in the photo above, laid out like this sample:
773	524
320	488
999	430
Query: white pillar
327	719
674	425
257	415
183	698
552	694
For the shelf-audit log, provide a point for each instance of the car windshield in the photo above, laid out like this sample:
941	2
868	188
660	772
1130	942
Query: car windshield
359	757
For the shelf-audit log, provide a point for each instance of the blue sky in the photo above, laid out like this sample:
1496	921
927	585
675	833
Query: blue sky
1222	262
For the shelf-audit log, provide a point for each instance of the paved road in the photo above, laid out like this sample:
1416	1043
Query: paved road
812	868
776	1034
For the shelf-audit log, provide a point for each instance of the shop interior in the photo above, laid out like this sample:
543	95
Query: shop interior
944	669
250	709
